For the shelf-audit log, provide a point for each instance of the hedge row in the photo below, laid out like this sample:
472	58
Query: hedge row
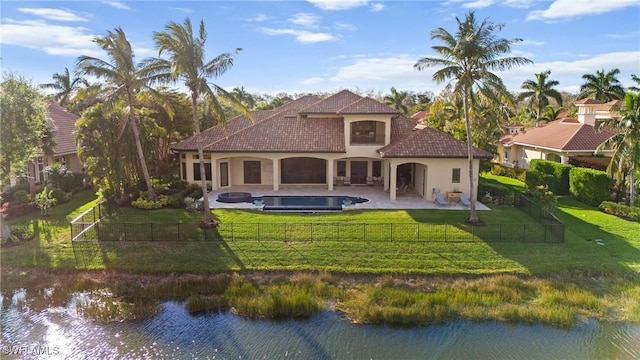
619	210
549	173
589	186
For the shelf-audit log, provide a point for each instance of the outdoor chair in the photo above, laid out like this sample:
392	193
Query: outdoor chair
464	199
369	180
347	181
440	200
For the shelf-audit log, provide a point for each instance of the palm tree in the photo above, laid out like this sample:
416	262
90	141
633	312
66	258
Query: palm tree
397	99
550	113
636	79
244	97
126	79
539	92
468	58
65	86
626	142
187	62
602	86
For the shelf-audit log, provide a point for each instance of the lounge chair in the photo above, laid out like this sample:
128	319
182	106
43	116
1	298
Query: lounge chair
464	199
440	200
347	181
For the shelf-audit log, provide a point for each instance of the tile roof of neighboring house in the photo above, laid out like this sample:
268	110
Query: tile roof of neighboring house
63	123
561	135
588	102
419	115
288	129
427	142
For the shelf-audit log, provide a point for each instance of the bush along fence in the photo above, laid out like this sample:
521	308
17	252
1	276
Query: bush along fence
547	230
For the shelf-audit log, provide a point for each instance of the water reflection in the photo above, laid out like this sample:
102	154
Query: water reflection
176	334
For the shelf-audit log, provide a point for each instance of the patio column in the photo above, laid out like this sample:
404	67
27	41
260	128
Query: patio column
330	174
385	173
393	182
276	174
214	173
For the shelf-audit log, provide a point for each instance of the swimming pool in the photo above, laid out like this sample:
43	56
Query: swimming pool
308	203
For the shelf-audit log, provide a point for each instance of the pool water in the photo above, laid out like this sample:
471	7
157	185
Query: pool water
308	203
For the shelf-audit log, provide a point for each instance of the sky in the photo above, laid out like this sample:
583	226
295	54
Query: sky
329	45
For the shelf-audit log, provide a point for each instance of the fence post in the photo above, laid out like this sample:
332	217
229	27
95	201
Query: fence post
312	232
151	228
391	225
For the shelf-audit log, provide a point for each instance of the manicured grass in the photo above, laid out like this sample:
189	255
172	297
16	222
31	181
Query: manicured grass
620	252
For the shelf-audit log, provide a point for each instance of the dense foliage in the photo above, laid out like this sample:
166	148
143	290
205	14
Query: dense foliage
559	181
589	186
620	210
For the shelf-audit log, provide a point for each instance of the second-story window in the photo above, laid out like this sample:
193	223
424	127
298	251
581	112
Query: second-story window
367	132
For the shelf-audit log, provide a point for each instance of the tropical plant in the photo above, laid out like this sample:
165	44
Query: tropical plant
65	86
625	160
397	100
187	62
539	92
468	58
45	200
244	97
602	86
126	79
550	113
636	79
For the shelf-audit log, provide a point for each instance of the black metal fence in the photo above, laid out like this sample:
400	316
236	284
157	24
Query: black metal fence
541	215
85	226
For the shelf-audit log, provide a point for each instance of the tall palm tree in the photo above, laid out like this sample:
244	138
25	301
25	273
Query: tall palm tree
244	97
602	86
397	99
636	79
626	143
125	79
468	58
65	86
539	92
187	62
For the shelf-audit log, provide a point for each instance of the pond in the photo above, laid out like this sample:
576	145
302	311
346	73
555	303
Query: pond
58	332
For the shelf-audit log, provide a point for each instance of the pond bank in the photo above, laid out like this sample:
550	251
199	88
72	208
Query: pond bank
562	300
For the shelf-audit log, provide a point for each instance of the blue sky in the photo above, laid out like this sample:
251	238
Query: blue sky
328	45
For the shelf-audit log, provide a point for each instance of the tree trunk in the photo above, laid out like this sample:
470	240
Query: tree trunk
143	163
203	176
473	215
5	231
632	195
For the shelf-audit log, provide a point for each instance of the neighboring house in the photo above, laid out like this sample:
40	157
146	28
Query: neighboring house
64	152
342	139
566	140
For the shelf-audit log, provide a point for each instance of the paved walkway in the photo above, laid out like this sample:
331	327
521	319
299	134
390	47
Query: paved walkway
378	199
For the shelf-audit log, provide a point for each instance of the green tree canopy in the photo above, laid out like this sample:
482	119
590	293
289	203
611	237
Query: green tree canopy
602	86
539	91
23	112
65	86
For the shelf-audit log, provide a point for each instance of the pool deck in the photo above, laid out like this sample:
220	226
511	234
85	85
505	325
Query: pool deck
378	199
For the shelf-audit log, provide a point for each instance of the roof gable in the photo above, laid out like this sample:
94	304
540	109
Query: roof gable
367	105
63	124
333	103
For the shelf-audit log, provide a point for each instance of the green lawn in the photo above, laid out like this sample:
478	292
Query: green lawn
620	253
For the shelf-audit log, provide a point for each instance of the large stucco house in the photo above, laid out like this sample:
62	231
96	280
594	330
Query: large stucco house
344	139
566	140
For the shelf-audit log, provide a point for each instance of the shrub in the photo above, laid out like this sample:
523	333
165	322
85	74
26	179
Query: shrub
589	186
175	201
619	210
144	202
536	178
21	196
514	173
14	209
559	172
22	232
60	195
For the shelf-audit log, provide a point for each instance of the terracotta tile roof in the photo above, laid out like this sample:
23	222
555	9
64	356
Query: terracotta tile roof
419	115
588	102
333	103
367	106
63	123
561	135
428	143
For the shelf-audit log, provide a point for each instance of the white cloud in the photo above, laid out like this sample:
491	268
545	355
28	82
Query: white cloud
344	26
302	36
377	7
478	4
633	34
60	40
312	81
117	4
338	4
184	10
565	9
259	18
531	42
305	20
53	14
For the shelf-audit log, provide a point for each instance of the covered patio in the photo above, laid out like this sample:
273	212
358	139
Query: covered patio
378	198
